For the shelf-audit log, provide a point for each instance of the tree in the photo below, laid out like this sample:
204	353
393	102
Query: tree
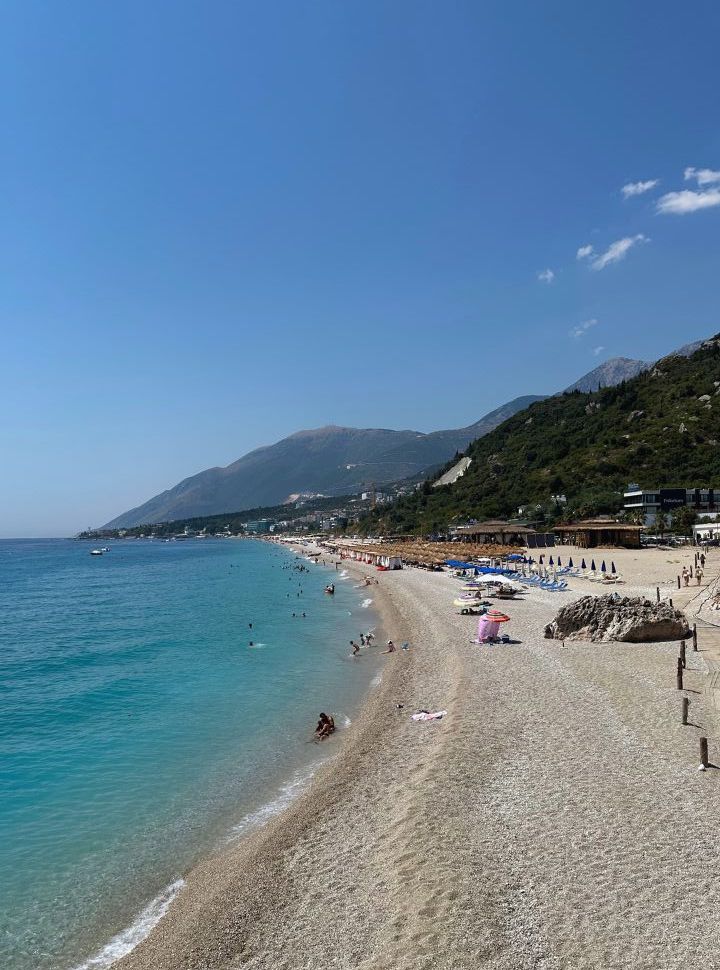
660	523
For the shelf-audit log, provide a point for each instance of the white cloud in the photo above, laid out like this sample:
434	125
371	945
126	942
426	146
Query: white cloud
617	251
597	351
546	276
582	328
637	188
584	252
703	176
680	203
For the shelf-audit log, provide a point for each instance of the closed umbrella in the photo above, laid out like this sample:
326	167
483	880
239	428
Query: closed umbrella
559	563
570	563
603	568
592	565
612	568
582	565
550	561
540	560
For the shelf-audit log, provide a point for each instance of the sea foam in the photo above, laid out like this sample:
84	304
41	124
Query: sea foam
125	941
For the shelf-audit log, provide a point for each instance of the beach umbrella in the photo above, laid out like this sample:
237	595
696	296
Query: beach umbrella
612	568
592	565
540	560
559	563
570	564
582	565
603	568
550	561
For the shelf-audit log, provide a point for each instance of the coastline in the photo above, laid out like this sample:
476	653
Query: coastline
517	832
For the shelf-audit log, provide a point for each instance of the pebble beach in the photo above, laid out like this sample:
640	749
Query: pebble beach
554	818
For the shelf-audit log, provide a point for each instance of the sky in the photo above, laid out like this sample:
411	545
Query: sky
223	222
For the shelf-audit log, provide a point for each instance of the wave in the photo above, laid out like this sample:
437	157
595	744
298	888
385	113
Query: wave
125	941
287	794
366	603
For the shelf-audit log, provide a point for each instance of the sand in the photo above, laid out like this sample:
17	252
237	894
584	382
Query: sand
555	818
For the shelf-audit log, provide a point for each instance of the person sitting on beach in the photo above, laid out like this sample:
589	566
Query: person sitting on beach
390	647
325	726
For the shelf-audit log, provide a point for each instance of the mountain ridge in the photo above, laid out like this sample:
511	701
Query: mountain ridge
336	459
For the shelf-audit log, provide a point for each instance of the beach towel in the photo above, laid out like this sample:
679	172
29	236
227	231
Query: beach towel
427	716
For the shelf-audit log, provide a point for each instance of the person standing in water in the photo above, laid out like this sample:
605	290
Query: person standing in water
355	648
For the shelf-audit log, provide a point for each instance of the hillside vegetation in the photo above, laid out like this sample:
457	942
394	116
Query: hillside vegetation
660	428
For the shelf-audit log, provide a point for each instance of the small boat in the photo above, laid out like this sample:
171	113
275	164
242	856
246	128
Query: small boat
96	552
105	549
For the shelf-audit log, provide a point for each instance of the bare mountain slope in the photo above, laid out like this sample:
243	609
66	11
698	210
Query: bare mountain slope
330	460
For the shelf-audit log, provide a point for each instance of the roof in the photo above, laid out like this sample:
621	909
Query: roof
596	525
493	527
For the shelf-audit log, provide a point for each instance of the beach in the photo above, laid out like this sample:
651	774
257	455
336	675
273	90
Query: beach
554	818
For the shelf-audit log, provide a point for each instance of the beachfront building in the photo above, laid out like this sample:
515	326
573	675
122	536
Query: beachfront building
668	500
261	527
600	533
495	531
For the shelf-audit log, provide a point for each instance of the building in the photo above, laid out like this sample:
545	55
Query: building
668	500
262	526
330	523
706	531
504	533
600	533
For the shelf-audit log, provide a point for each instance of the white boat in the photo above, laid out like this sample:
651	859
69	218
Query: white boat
96	552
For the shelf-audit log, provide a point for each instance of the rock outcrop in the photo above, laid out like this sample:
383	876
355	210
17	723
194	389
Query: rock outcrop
614	617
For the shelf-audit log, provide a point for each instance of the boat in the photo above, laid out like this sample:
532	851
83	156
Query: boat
96	552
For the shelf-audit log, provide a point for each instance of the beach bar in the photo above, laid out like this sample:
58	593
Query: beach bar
596	533
495	531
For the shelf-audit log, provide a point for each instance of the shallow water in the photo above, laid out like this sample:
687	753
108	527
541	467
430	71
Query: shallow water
139	729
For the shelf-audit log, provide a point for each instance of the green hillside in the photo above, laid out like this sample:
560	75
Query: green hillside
661	428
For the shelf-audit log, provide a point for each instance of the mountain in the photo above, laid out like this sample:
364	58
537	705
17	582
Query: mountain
330	460
661	428
612	372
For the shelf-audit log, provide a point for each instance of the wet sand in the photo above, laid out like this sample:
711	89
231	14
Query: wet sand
555	818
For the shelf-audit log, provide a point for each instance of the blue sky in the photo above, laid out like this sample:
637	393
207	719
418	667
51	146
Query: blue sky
226	221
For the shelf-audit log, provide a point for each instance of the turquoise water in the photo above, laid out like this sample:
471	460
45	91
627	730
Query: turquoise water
138	728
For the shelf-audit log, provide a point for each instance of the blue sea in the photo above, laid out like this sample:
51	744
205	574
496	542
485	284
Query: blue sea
140	730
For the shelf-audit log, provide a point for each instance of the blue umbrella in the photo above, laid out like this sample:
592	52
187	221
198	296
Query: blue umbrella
603	568
612	567
592	565
582	565
559	563
541	559
571	562
550	561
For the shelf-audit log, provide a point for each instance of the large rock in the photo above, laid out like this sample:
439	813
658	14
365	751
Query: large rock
614	617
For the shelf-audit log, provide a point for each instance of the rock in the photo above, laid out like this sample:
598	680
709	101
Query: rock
635	414
614	617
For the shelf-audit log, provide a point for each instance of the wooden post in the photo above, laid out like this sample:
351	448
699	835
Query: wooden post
685	709
703	752
695	637
691	572
679	676
682	654
670	602
678	582
657	593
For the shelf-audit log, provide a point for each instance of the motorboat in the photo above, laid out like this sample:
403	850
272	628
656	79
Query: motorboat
96	552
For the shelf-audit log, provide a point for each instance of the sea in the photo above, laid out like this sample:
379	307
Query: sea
156	703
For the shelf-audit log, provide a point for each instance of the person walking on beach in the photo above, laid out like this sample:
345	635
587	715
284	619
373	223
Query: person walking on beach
702	559
686	576
698	575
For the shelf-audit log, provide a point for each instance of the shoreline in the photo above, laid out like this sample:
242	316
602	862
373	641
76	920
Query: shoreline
484	839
